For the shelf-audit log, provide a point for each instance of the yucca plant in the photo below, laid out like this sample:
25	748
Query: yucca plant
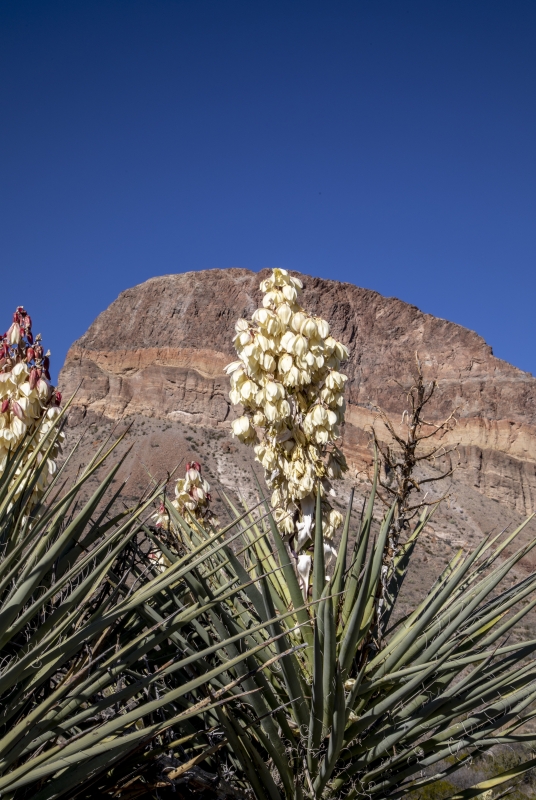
351	712
360	703
109	684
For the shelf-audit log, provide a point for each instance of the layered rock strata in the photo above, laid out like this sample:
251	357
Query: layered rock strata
176	333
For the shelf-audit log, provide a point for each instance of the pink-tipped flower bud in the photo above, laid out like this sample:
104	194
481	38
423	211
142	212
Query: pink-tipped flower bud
198	494
17	410
29	337
34	377
57	397
30	354
5	405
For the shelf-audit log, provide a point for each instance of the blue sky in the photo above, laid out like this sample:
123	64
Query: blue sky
389	144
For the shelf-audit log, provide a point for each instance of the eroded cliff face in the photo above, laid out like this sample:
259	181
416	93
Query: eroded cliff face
175	338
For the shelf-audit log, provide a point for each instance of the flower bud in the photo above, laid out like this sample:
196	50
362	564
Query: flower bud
321	436
242	339
270	411
297	321
293	377
13	334
230	368
290	294
274	390
284	409
43	389
333	418
341	351
198	494
318	415
5	405
309	329
248	389
241	426
323	328
335	518
284	313
19	373
259	419
269	362
280	276
287	341
285	363
261	316
34	377
17	410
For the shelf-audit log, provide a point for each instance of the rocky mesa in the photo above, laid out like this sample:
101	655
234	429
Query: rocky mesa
175	338
155	358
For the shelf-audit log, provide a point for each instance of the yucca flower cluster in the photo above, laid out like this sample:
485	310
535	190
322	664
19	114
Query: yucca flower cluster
289	383
192	497
27	398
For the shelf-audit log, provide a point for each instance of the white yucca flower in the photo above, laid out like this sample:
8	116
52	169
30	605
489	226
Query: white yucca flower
288	381
192	497
27	398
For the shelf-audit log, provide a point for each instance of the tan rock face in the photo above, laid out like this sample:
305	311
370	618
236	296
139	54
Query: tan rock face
159	350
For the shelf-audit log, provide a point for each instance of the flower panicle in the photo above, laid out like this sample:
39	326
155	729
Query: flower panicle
27	398
288	381
192	497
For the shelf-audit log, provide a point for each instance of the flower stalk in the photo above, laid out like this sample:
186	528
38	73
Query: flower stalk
288	381
28	400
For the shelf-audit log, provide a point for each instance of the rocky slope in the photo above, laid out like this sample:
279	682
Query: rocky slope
154	359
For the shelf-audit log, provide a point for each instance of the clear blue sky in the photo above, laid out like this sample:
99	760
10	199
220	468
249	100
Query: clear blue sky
389	144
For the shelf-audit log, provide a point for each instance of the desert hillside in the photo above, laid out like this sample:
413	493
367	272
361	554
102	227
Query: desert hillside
154	361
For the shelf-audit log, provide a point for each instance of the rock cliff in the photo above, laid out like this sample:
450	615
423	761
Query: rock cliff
159	350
